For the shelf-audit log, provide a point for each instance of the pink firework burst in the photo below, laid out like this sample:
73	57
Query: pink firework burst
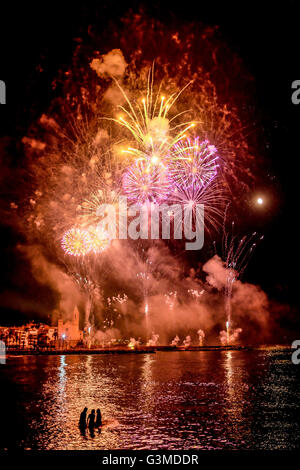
193	163
144	182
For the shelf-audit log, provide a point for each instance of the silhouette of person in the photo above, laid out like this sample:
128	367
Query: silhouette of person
98	419
91	423
82	419
91	419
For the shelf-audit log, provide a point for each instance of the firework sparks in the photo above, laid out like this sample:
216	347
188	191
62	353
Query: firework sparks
175	341
210	196
149	123
187	342
145	183
133	343
98	240
121	299
201	336
171	298
76	242
236	256
103	197
196	293
193	163
157	163
229	337
153	341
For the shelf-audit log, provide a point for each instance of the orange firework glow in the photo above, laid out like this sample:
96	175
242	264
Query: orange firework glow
99	239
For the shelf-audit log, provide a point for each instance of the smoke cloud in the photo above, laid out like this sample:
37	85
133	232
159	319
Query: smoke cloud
49	274
112	64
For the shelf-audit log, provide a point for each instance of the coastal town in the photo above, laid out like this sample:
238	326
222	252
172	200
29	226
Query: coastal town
32	336
68	338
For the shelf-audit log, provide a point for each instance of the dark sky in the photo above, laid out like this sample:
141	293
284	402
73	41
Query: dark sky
264	34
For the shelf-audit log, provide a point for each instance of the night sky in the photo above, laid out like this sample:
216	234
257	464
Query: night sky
38	40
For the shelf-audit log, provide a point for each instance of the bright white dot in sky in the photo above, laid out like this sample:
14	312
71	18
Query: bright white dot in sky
259	200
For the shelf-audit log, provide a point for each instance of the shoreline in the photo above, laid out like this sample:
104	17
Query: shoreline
141	350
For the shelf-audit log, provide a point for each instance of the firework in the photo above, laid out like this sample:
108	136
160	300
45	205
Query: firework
91	289
100	199
211	196
193	163
153	341
171	298
201	336
196	293
145	280
133	343
83	167
98	239
145	183
149	123
228	336
175	341
227	332
237	252
108	204
236	255
121	299
187	342
192	167
76	242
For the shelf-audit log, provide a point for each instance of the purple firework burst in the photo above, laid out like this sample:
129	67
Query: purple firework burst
144	182
193	163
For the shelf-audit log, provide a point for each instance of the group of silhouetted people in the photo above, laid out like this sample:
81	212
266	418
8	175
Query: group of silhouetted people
93	421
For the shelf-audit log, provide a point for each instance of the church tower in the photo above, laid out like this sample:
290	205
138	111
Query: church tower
76	317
